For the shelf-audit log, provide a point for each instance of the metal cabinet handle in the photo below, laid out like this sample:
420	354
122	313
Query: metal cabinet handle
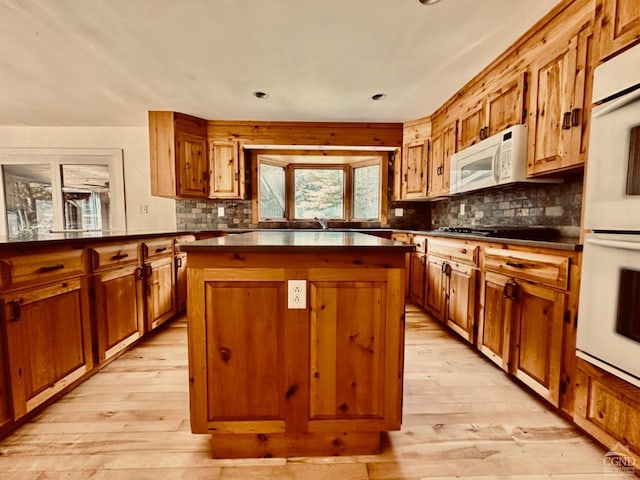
510	290
179	262
119	256
515	264
575	117
15	311
51	268
566	120
161	249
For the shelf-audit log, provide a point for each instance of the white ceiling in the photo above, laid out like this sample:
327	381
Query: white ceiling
107	62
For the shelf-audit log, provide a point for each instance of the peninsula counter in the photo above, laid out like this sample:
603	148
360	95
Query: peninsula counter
296	341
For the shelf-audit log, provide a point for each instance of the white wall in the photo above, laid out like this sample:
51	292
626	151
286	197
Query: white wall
134	141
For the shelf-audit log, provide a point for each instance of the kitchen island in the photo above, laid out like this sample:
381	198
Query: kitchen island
296	342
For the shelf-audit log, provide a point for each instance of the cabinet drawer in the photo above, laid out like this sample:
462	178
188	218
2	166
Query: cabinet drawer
106	257
39	268
421	243
552	270
453	250
157	248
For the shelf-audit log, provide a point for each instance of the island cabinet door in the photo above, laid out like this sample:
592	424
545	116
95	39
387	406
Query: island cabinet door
48	342
238	371
356	332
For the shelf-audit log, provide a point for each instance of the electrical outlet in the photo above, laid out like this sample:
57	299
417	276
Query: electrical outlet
399	212
297	294
463	208
221	211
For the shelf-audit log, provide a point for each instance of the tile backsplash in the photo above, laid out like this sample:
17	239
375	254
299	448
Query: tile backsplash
554	205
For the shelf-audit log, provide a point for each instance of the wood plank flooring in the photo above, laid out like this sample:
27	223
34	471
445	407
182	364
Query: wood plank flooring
463	419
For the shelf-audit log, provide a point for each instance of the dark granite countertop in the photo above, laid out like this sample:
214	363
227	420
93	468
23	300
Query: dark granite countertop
298	240
81	238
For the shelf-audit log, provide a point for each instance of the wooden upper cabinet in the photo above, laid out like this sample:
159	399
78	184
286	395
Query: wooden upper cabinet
178	153
192	166
414	173
227	159
559	106
410	167
500	107
443	146
619	26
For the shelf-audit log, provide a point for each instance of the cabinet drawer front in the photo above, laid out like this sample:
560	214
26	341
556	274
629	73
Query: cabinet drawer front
157	248
106	257
453	250
552	270
37	269
421	243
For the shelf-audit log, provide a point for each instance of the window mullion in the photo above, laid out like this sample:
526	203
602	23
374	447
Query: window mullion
56	195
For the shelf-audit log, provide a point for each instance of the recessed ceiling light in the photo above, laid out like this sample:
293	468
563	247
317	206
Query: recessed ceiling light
379	96
428	2
259	94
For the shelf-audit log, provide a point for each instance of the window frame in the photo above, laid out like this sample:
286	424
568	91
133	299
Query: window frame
56	157
381	159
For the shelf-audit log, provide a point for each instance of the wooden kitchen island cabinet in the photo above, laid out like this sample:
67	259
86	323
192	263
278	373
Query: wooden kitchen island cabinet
295	342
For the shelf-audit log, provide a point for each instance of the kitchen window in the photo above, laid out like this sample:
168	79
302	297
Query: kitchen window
49	190
304	187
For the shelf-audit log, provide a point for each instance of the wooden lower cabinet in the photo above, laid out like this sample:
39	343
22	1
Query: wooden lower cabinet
159	291
417	286
521	325
608	408
49	341
159	280
118	309
435	284
271	380
460	297
181	282
6	415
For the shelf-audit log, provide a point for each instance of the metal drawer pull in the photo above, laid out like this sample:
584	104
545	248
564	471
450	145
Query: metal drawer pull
516	264
179	262
161	249
566	120
51	268
119	256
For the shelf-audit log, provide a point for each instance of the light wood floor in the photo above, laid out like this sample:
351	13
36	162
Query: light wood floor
463	419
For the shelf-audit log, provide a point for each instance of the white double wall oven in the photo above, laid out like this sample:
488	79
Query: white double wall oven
609	310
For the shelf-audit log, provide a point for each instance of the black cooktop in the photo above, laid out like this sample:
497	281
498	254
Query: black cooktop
506	231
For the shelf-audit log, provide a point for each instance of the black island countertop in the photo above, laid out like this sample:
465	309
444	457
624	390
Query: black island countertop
298	240
83	237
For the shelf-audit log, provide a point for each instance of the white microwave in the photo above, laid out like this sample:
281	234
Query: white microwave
498	160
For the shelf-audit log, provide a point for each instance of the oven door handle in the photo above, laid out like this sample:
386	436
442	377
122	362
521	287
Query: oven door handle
617	103
613	243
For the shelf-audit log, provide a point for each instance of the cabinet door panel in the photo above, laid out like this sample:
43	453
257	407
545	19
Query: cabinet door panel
434	301
347	349
245	350
46	342
505	106
470	124
160	292
461	302
227	170
119	313
193	167
538	339
620	26
418	277
495	320
415	170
